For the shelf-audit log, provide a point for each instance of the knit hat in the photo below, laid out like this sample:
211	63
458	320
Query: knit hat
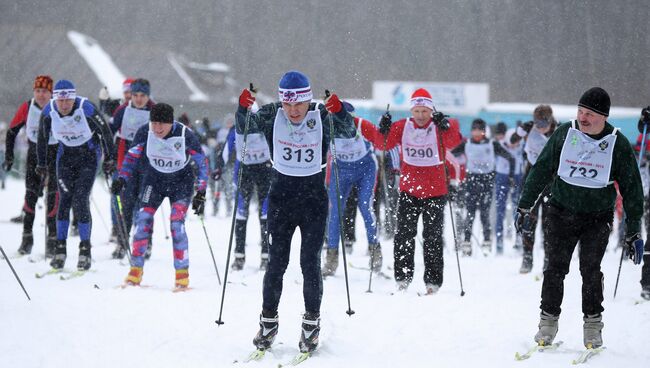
294	87
597	100
500	128
543	116
421	97
162	113
43	81
141	85
64	90
126	85
479	124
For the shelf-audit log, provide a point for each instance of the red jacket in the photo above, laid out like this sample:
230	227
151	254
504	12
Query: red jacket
419	181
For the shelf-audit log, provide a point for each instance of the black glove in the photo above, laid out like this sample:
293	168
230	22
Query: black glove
9	162
216	174
118	184
644	120
440	120
384	123
198	202
525	221
41	171
108	167
634	247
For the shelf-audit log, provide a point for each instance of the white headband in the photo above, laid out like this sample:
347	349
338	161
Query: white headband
422	101
64	94
295	94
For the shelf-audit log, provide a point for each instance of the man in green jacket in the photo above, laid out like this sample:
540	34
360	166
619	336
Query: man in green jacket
581	162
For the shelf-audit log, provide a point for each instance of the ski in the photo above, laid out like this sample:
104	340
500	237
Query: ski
587	354
299	358
36	259
73	274
380	273
255	356
536	348
51	271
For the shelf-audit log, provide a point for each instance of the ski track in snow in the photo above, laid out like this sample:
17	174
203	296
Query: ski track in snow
75	324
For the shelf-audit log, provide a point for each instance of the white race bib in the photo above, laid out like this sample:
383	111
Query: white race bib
297	149
167	155
534	145
132	120
32	123
351	149
72	130
502	166
257	149
584	161
420	146
480	157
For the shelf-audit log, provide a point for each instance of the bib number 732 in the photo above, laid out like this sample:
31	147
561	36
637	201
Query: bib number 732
306	156
584	172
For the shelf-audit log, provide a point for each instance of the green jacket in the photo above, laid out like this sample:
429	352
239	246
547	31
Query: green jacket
587	200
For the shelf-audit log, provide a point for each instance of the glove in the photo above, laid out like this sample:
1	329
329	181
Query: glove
246	99
385	123
440	120
108	167
644	120
525	221
118	184
41	171
333	104
634	247
7	164
198	202
216	174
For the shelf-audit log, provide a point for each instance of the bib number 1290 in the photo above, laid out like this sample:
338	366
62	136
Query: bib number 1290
306	156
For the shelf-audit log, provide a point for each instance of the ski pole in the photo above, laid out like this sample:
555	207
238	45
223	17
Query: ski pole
641	154
382	170
335	168
210	247
451	213
121	226
14	271
234	212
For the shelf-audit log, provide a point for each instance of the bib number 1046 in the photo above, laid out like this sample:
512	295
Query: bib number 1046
300	155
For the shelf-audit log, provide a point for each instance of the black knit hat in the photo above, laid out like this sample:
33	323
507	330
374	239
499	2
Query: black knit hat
597	100
162	113
500	128
478	124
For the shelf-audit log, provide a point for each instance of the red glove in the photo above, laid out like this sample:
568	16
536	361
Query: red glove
333	104
246	99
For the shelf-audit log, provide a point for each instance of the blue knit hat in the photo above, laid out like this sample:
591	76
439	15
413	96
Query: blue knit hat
64	90
294	87
141	85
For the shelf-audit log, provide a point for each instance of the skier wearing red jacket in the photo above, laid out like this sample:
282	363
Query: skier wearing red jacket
424	138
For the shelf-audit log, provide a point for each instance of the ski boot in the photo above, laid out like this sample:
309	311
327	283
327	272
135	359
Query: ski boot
60	254
238	263
466	248
499	247
376	259
331	262
85	259
486	247
18	219
348	246
645	292
310	332
432	289
134	278
526	263
548	325
402	285
119	252
593	331
182	278
147	252
50	247
268	330
264	261
27	244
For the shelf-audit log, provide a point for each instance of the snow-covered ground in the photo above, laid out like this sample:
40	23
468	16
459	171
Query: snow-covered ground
91	322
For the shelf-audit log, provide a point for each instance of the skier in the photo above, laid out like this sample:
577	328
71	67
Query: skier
423	186
536	134
255	176
298	133
29	116
480	153
224	183
581	161
128	118
168	147
357	167
83	135
644	124
504	185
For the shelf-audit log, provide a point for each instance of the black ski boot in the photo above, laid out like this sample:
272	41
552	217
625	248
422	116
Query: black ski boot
310	332
18	219
645	292
238	263
268	330
50	247
85	259
59	255
27	244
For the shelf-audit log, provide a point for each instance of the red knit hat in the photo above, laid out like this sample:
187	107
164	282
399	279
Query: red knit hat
421	97
43	81
126	85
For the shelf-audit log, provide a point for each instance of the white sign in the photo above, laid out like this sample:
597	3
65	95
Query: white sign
447	97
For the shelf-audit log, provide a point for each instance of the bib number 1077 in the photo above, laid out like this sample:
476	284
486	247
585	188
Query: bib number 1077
584	172
300	155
